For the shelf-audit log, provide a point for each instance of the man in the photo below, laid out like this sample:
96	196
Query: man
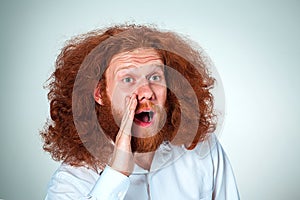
132	117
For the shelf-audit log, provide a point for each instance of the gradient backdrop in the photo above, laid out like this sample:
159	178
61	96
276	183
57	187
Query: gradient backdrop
255	46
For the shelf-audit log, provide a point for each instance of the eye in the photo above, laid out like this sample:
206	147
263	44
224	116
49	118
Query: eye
155	78
127	80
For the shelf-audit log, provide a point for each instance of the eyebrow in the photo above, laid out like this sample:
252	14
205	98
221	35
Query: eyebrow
133	66
125	67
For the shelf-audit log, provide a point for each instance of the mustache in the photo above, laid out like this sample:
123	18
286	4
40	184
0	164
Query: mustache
148	105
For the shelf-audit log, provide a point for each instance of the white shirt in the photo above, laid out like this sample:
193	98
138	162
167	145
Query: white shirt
198	174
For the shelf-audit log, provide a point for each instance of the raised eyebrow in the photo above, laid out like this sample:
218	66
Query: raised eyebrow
124	68
162	67
159	69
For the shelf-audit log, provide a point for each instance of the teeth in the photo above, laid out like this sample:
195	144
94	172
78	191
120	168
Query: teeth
150	114
145	116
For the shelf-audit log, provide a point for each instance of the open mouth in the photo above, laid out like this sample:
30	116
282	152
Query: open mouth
144	117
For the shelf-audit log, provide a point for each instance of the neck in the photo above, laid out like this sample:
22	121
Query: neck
144	160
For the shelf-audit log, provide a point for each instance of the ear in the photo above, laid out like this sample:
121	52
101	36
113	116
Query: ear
97	95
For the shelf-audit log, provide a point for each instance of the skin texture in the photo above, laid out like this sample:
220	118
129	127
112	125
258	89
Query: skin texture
135	80
138	72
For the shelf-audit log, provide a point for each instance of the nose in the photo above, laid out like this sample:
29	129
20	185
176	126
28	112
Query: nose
145	92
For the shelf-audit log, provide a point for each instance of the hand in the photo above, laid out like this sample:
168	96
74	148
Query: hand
122	159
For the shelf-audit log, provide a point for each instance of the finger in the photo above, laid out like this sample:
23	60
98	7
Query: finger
124	135
128	101
132	106
128	116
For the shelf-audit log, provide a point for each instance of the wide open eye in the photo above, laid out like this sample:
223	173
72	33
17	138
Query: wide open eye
155	78
127	80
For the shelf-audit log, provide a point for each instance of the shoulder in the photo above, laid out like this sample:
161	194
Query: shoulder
73	181
210	148
211	151
211	155
66	171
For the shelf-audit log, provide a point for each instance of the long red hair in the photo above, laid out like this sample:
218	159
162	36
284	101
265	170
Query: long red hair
61	136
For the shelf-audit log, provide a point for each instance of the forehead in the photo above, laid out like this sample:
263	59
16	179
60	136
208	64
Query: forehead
135	59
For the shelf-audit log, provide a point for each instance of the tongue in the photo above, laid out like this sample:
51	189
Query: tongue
145	118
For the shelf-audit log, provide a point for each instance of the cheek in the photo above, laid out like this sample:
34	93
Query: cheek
119	95
117	98
161	93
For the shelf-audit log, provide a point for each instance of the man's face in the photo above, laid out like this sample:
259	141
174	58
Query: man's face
139	72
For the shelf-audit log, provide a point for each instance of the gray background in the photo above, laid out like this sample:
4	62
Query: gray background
255	46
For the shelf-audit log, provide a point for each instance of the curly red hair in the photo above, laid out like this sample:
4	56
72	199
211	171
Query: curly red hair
61	135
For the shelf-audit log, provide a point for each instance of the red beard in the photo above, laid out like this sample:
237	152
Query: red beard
138	144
